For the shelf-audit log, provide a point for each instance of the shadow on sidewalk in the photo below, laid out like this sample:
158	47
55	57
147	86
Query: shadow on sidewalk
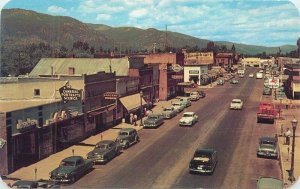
84	144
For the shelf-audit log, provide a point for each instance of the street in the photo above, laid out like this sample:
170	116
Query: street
162	157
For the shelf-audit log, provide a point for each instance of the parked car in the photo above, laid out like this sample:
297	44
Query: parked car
185	102
104	151
251	75
202	94
35	184
188	119
204	161
194	96
269	183
267	91
169	112
178	106
236	104
221	81
153	121
127	137
267	147
234	81
70	169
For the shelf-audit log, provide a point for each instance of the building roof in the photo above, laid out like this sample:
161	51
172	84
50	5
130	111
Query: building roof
60	66
13	105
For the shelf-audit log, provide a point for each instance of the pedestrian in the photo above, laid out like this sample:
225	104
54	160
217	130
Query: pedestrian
134	119
131	118
287	135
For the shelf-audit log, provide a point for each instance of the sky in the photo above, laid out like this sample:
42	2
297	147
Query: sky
255	22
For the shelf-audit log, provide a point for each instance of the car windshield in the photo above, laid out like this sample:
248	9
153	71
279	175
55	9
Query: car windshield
167	109
123	133
67	163
102	146
236	101
268	143
187	115
176	104
153	117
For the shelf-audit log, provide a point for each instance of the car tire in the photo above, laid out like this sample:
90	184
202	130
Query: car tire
137	139
126	145
73	179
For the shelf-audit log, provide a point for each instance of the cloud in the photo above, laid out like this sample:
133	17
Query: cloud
2	4
101	17
138	13
57	10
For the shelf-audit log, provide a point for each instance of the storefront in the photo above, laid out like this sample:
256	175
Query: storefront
192	74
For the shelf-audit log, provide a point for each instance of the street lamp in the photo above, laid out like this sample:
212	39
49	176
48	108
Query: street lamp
141	95
294	125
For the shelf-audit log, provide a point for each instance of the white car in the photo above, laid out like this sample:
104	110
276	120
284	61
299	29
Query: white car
188	119
236	104
251	75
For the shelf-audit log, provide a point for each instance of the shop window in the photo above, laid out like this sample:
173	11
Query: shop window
41	122
37	92
8	114
8	121
40	113
40	108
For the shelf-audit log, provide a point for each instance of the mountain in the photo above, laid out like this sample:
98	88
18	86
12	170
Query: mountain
24	26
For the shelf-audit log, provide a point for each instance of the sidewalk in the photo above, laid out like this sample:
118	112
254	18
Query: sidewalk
282	123
45	166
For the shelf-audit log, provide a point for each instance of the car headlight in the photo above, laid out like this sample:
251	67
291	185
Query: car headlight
66	175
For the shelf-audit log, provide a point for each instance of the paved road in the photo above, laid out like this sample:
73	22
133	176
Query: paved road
161	159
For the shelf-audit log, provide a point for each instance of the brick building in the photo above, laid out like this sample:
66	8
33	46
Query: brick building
170	72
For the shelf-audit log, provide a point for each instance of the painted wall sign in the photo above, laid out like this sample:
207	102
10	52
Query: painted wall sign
193	71
22	125
110	95
69	94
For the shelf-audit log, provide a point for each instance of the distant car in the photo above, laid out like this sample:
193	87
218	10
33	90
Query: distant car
194	96
267	91
34	184
269	183
202	94
104	151
70	169
236	104
261	71
127	137
178	106
188	119
153	121
234	81
204	161
251	75
185	101
169	112
221	82
267	147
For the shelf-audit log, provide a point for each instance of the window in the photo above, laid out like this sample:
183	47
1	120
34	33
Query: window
71	70
37	92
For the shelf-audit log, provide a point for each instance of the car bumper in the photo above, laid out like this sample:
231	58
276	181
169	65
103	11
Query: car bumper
61	180
97	159
267	154
235	108
149	125
195	170
185	124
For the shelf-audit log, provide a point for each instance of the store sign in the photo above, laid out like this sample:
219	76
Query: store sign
110	96
176	68
193	71
2	143
69	94
29	124
177	76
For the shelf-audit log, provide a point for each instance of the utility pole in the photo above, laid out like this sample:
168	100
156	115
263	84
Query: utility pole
166	40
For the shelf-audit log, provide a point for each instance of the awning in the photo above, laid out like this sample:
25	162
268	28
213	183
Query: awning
185	84
132	102
101	110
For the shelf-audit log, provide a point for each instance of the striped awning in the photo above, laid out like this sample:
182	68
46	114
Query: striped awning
132	102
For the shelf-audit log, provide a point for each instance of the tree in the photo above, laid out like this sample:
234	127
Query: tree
233	48
210	46
298	44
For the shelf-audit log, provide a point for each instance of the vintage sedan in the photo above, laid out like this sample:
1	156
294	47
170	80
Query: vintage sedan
105	151
269	182
194	96
178	106
204	161
127	137
188	119
153	121
186	102
236	104
71	169
234	81
267	147
202	94
221	81
169	112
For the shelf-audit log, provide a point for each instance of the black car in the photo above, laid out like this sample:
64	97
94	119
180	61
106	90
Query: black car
70	169
204	161
34	184
202	94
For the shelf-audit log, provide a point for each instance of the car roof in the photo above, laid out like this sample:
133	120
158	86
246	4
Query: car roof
73	158
189	113
105	142
25	183
269	183
236	100
127	129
